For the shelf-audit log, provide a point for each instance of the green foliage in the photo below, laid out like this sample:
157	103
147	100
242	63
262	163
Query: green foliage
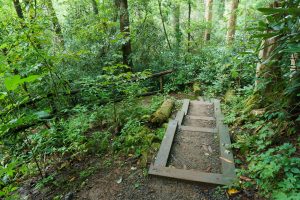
64	93
274	163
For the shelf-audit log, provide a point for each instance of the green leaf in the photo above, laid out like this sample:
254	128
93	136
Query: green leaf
3	95
289	11
42	114
295	170
31	78
11	83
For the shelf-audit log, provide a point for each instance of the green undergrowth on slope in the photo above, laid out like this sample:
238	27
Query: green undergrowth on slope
87	131
266	145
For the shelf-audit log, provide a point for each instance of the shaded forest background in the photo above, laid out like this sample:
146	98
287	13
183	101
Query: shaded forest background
73	74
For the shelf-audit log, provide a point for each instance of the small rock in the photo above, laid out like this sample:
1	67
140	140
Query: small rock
120	180
69	196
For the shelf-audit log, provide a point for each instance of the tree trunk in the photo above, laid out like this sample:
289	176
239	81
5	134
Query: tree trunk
163	113
232	21
95	7
163	23
55	22
18	9
189	24
208	18
268	45
178	33
125	29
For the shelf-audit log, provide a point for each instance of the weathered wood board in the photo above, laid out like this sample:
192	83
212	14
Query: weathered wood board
228	175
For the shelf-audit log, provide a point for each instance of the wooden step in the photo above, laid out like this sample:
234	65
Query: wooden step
200	117
202	103
198	129
185	106
192	175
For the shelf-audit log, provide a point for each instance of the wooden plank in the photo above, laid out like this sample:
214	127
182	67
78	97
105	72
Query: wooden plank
227	160
198	129
200	98
165	147
202	103
191	175
217	110
226	157
179	117
201	118
185	106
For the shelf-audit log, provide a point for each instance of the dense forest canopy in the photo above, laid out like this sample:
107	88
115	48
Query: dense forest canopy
76	75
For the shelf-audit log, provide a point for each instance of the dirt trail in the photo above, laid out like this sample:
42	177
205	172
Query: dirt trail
136	186
190	150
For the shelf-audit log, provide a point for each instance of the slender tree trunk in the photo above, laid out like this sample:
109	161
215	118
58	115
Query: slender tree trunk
208	18
55	22
163	23
178	33
232	21
267	46
125	29
18	9
189	24
95	7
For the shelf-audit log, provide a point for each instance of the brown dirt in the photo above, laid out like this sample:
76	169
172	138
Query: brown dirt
196	150
200	110
136	186
199	123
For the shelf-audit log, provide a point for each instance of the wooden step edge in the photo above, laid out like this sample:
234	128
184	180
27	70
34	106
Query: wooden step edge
198	129
185	106
179	117
200	117
192	175
166	144
204	103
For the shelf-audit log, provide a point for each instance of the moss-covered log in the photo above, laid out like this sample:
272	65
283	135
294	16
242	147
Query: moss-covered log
196	88
163	113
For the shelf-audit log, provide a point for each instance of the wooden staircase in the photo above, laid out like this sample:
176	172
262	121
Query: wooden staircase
189	150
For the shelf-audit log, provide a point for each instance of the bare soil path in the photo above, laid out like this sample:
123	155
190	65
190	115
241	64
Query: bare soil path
129	183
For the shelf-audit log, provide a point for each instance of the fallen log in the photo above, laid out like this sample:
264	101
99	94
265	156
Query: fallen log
163	113
196	88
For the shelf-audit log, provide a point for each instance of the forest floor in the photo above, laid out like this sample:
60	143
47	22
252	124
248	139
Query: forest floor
128	182
111	177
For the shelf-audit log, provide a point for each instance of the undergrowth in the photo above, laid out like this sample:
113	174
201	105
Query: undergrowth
267	146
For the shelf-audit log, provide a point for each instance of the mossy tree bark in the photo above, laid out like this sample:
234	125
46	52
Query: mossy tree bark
208	19
163	23
163	113
95	7
232	21
189	25
55	22
125	29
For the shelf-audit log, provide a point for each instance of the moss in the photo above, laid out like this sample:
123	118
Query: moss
163	113
196	88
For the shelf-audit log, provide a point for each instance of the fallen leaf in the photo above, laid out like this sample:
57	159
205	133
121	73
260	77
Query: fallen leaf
208	169
120	180
226	160
232	191
209	149
72	179
244	178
